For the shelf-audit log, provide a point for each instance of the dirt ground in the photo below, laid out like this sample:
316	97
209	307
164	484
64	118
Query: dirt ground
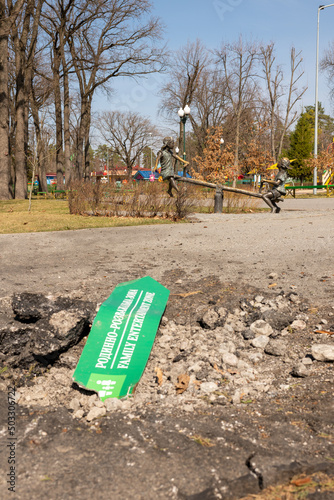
214	452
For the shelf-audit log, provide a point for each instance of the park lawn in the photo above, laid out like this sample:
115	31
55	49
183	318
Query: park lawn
53	215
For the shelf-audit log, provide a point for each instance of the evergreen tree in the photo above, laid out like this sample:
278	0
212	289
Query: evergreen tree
301	147
325	125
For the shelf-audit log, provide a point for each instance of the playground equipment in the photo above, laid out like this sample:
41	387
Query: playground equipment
219	188
271	197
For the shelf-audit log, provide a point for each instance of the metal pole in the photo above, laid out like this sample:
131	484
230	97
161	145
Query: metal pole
108	166
184	143
315	170
150	134
184	138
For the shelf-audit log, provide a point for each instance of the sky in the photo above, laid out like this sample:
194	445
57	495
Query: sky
286	22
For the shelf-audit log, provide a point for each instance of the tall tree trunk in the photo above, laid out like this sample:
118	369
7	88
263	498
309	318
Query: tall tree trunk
82	138
59	118
87	139
67	134
41	171
5	164
24	38
79	153
8	15
21	179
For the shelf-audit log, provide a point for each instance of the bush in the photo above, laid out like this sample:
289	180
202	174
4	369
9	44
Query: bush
144	199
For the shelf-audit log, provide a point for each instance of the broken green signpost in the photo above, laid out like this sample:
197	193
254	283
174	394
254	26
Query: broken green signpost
121	338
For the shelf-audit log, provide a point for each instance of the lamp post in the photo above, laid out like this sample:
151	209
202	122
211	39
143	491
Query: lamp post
315	170
184	114
150	134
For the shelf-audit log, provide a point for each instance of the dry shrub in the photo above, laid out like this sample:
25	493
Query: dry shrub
185	202
83	197
234	202
143	199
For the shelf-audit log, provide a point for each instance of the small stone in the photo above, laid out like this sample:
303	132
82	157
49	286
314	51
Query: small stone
99	404
222	312
300	370
273	276
236	399
228	346
91	400
261	341
208	387
184	346
323	352
255	357
230	359
298	324
307	361
68	360
302	316
79	413
248	334
95	412
259	298
164	321
261	327
294	298
210	319
74	404
112	404
126	404
275	348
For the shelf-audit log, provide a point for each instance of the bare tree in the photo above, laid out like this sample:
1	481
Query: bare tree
24	40
61	20
210	107
127	134
121	43
187	73
238	62
9	12
281	115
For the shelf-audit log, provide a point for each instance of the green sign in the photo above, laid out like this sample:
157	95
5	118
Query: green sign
121	338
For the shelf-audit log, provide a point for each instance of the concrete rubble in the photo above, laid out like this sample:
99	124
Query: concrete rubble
226	357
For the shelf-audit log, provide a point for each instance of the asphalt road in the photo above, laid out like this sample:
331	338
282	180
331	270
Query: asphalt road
297	243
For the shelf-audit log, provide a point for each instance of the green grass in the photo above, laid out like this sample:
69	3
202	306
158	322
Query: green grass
53	215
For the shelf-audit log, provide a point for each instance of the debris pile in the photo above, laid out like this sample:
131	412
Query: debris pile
220	357
42	327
